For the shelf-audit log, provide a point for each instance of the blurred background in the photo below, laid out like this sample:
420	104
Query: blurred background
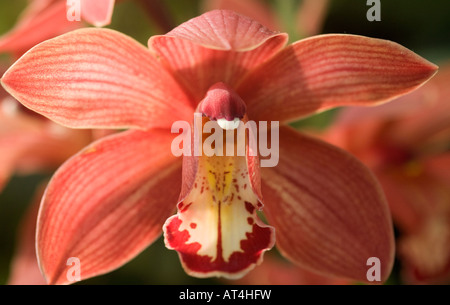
421	26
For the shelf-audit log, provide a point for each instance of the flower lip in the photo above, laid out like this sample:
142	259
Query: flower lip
222	102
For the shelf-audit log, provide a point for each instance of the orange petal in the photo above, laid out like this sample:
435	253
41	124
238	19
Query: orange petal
107	204
327	208
97	78
327	71
218	46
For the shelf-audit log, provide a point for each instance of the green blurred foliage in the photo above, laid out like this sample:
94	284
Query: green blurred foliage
421	26
9	11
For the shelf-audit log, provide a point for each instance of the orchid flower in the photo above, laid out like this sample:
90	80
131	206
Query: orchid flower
406	144
44	19
109	202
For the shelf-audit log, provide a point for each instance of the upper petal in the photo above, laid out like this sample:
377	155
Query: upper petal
218	46
97	78
329	211
107	204
327	71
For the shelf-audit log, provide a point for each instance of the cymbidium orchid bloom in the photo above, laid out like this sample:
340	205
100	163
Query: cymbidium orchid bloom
406	144
44	19
111	200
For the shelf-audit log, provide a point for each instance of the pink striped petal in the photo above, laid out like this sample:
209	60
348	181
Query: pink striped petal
107	204
218	46
97	78
97	12
328	210
327	71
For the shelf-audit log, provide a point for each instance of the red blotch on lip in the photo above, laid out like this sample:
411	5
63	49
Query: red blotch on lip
257	241
182	208
249	207
193	225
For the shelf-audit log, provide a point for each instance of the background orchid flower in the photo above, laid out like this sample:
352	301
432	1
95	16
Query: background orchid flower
406	144
110	201
309	14
29	143
44	19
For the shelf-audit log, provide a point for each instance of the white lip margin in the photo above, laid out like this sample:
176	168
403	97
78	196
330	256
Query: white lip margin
228	125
